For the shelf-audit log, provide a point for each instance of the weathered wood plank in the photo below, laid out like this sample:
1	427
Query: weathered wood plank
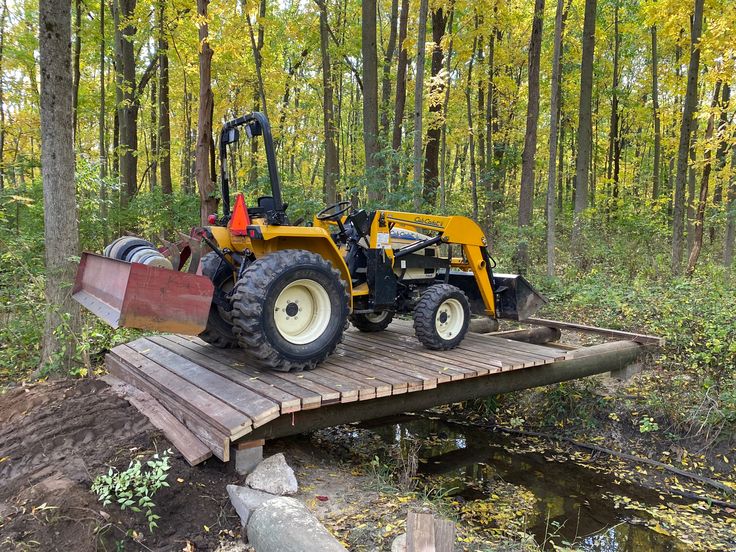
286	401
355	346
194	451
486	350
348	391
420	532
383	350
221	415
451	366
542	350
375	381
259	409
400	381
458	366
519	359
366	389
403	334
444	535
216	440
289	382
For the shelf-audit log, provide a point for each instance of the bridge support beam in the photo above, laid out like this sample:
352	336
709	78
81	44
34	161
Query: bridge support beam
588	361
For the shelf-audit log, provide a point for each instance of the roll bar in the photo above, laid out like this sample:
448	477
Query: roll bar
256	124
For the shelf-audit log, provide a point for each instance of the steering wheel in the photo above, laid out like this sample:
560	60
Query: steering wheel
334	211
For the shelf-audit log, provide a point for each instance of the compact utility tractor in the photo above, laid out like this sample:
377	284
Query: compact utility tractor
286	292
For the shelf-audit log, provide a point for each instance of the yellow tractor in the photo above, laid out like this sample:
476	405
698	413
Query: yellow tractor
286	292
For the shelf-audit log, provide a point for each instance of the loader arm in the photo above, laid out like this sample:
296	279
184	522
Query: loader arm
451	230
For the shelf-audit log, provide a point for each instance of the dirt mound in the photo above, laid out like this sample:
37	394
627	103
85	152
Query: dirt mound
56	437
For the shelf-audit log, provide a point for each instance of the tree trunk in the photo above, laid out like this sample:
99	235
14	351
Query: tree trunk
489	178
728	245
471	132
703	200
63	319
3	19
688	112
76	62
370	101
480	116
128	106
153	166
435	122
258	60
332	162
400	103
207	198
554	120
691	178
445	108
387	59
657	120
186	158
164	122
419	102
721	152
102	145
584	139
613	136
561	180
526	195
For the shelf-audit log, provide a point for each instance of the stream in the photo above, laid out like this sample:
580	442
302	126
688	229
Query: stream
570	505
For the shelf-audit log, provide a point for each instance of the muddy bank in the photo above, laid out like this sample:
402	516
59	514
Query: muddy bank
55	437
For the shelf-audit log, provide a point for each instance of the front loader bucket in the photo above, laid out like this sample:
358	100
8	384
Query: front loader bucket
515	297
133	295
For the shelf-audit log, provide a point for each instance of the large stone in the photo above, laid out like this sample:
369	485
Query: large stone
246	500
274	476
285	525
399	543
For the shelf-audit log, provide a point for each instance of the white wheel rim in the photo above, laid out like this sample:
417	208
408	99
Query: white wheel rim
302	311
449	319
377	317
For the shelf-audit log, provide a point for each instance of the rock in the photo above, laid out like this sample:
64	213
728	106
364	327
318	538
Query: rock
284	524
399	544
246	500
274	476
233	546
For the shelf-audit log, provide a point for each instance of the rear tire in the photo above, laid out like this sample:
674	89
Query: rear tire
373	322
290	309
441	317
219	331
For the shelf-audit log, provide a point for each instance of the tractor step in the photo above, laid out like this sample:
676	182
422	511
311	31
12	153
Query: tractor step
133	295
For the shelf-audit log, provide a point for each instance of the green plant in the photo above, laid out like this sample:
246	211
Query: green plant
135	487
647	425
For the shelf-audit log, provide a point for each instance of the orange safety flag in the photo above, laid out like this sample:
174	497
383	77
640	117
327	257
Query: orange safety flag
240	220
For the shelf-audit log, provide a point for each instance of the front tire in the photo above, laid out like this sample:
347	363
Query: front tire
441	317
219	331
290	309
372	322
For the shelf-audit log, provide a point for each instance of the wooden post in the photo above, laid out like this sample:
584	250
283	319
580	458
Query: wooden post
427	533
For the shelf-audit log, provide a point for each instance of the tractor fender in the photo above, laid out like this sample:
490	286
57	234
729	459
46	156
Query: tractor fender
267	239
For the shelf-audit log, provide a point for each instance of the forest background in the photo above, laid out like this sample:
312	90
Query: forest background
594	140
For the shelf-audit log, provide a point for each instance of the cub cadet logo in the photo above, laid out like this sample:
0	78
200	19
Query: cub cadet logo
427	222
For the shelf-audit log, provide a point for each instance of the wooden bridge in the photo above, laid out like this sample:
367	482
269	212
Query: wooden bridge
206	399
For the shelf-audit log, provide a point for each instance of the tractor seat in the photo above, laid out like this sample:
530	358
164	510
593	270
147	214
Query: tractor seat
265	204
